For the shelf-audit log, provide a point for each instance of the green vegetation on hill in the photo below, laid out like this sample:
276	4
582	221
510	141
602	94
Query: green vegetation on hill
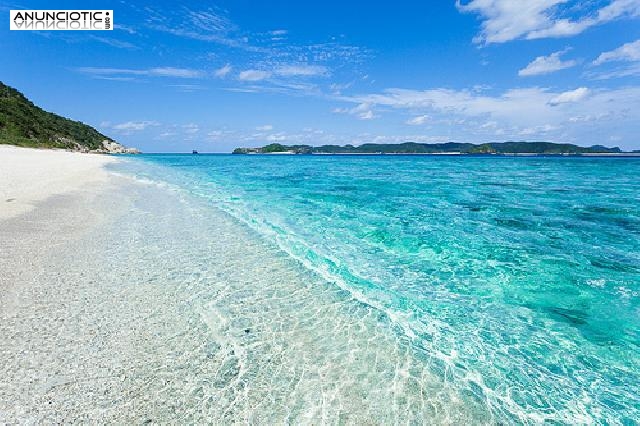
435	148
24	124
274	147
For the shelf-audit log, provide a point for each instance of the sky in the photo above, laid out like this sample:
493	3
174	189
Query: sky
212	76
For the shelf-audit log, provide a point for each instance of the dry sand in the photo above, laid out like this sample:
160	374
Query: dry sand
28	176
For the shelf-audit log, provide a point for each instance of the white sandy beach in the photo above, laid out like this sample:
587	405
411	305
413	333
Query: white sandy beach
124	303
28	176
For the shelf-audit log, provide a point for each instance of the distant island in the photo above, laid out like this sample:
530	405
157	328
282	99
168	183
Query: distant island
24	124
453	148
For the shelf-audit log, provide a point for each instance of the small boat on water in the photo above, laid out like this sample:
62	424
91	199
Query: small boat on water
194	151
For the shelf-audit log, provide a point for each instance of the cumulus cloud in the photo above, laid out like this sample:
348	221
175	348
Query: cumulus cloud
570	96
628	52
362	111
532	110
518	105
418	120
546	65
265	128
505	20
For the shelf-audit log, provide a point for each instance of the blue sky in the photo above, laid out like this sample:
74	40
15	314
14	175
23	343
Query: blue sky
216	75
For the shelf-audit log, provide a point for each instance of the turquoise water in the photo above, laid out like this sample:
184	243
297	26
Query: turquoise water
514	280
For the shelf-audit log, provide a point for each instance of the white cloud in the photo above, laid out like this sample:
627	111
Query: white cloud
187	88
223	71
570	96
125	28
536	111
337	88
366	115
278	137
588	118
153	72
418	120
363	111
191	128
489	125
285	70
564	27
220	134
301	70
505	20
166	135
518	105
210	20
134	126
319	137
632	70
533	113
628	52
269	57
253	75
537	130
546	65
175	72
120	44
209	25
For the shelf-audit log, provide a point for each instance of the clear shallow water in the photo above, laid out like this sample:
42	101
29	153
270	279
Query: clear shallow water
514	281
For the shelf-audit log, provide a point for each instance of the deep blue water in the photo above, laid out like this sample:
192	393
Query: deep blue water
518	279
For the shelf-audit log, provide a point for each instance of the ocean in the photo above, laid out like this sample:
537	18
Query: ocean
420	289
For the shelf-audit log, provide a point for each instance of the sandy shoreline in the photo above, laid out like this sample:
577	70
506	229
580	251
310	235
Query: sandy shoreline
28	176
121	302
46	200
